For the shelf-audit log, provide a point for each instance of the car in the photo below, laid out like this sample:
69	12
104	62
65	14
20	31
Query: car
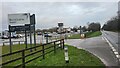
39	33
15	36
47	35
4	37
20	35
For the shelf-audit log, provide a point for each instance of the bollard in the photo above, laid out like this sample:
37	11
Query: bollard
66	54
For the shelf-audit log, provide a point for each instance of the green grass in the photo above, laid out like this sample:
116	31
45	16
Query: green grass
93	34
77	57
74	36
88	35
17	47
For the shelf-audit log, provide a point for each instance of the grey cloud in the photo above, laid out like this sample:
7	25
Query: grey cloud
71	13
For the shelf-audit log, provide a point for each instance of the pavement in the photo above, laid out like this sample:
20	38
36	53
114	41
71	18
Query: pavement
97	46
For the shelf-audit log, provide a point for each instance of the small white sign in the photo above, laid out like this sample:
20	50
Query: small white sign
19	19
82	35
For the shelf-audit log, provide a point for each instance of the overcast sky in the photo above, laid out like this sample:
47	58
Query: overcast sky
48	14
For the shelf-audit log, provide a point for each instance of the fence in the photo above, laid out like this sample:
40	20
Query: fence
23	56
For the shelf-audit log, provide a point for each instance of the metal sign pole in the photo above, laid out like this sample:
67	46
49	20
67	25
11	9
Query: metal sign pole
25	38
60	32
47	38
42	37
30	38
80	31
34	36
10	39
32	26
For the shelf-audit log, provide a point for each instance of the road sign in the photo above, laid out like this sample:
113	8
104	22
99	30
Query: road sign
17	28
60	24
32	19
82	35
22	22
19	19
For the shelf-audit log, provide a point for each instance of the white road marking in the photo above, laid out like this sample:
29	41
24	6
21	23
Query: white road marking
116	53
103	38
114	50
118	56
108	42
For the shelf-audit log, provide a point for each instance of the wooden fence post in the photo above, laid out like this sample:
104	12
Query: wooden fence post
43	51
23	59
54	48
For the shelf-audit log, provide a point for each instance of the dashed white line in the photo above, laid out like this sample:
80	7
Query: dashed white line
118	56
103	38
113	49
116	53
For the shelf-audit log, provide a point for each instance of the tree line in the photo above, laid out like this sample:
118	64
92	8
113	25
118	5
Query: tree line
112	24
93	26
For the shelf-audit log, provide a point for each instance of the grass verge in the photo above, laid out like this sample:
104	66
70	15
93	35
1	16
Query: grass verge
74	36
93	34
88	35
17	47
77	57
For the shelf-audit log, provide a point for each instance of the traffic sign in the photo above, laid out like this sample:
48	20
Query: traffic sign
19	19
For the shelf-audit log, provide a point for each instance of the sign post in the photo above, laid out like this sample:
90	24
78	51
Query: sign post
80	30
32	22
47	38
25	39
60	24
10	39
34	36
30	39
22	22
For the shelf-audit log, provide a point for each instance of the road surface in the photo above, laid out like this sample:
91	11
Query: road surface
113	39
39	39
97	46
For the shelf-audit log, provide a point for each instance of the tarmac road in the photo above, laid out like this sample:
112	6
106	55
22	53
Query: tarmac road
113	38
97	46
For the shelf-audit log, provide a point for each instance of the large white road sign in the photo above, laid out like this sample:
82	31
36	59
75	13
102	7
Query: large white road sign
19	19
